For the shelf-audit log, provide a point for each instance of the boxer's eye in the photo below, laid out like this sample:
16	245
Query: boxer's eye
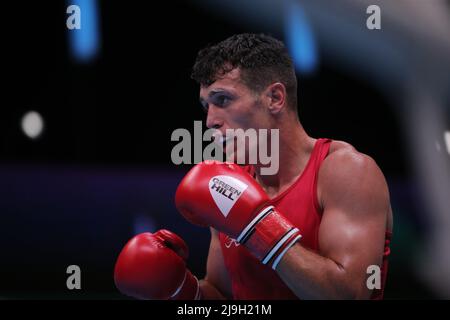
221	100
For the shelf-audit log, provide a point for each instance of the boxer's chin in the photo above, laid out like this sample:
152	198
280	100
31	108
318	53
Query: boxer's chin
232	158
231	154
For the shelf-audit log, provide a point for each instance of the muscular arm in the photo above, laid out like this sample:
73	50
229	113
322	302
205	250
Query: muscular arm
355	200
216	285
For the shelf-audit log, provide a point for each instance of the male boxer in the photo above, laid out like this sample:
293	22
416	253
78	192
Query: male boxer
312	230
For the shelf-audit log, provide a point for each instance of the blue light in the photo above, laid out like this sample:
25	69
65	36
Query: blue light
300	39
84	42
143	222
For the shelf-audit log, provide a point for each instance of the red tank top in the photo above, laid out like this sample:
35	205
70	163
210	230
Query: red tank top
252	280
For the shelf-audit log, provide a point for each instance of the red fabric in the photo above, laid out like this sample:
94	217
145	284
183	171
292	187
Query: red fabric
299	204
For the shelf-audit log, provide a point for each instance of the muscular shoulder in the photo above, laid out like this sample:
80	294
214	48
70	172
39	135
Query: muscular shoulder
347	175
344	161
340	147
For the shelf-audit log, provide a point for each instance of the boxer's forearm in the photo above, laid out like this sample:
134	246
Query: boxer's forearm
209	291
311	276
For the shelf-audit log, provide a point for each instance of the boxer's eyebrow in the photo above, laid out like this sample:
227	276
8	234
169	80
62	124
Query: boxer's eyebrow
214	92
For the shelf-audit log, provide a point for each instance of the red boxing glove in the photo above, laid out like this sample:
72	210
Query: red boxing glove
225	197
152	266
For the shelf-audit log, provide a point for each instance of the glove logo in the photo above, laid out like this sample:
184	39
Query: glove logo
225	191
230	241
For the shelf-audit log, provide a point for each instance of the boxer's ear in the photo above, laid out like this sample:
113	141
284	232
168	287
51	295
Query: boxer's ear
276	93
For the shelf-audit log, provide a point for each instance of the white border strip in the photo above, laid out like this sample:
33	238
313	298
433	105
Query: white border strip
278	259
252	224
198	293
181	285
278	245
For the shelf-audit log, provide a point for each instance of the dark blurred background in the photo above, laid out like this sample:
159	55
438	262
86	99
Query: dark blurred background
108	98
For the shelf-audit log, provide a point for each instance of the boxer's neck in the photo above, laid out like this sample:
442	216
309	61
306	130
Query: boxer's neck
295	150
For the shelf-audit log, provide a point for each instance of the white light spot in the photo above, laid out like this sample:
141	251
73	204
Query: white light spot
447	140
32	124
144	223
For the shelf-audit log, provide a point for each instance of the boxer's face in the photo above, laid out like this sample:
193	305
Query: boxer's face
230	104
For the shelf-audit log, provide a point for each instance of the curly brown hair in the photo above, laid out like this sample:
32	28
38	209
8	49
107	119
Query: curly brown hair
261	59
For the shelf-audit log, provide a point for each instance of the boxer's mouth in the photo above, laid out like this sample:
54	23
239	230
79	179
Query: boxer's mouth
227	143
222	140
